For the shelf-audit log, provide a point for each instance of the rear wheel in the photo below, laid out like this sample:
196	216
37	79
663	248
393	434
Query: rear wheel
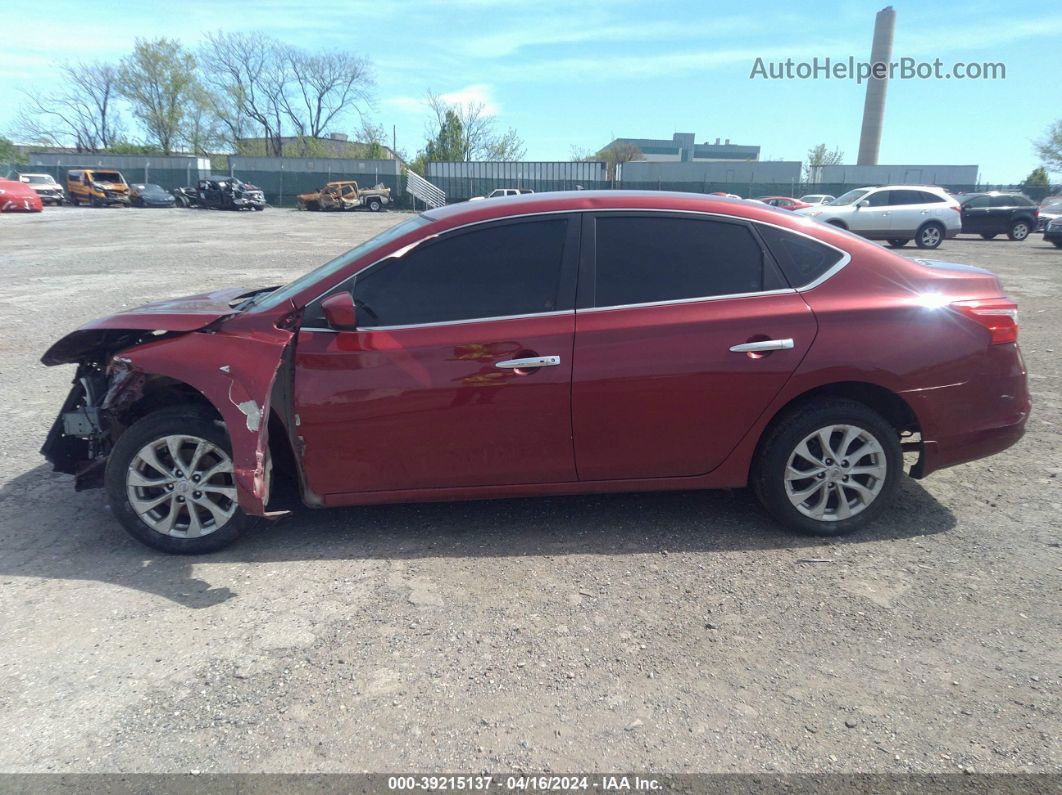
828	468
375	205
1019	230
170	483
898	242
930	236
988	235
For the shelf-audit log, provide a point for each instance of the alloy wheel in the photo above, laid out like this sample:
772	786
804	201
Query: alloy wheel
930	236
1020	231
182	486
835	473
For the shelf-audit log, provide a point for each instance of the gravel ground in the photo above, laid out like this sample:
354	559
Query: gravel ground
662	632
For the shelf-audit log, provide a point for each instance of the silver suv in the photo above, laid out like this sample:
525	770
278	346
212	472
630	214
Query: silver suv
896	213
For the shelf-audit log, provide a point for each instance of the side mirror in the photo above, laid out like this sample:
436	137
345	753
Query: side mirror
864	203
340	312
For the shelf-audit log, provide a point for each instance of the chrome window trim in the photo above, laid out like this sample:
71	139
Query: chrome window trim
448	322
841	263
697	300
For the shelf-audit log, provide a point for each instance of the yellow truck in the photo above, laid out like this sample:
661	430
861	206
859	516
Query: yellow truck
97	186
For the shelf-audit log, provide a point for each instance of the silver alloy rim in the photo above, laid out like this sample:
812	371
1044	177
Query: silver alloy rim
835	473
182	486
931	236
1021	231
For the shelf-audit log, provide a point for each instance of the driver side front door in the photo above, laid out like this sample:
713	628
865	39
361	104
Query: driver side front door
459	374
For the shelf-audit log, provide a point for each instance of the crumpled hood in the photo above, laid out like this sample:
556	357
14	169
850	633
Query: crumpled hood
189	313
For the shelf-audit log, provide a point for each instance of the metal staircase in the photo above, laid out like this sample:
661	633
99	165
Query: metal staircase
420	188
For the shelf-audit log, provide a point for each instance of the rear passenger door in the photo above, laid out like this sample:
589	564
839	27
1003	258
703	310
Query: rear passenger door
685	331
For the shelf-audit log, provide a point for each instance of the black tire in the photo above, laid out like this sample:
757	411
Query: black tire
375	205
258	209
1057	243
841	224
898	242
988	235
1019	230
930	235
166	422
780	442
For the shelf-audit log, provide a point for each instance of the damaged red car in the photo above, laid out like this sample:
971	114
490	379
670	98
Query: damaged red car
549	344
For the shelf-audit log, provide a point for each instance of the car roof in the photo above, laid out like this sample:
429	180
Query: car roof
581	200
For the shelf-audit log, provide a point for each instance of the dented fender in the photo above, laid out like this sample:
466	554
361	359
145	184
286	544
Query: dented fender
236	372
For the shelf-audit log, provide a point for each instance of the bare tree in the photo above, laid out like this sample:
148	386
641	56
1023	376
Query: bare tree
819	156
617	153
508	146
323	88
157	79
375	139
247	78
82	113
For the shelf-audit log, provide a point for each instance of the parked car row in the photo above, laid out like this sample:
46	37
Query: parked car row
99	187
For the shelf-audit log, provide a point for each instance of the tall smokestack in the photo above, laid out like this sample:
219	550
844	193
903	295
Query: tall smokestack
874	105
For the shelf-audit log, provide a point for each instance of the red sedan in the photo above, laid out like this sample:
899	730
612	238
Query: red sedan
18	197
554	343
784	202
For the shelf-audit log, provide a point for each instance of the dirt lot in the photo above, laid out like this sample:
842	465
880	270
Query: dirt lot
673	632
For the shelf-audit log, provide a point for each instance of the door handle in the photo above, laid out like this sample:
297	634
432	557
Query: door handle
762	345
529	363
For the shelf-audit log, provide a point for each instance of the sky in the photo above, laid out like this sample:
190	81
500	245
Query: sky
578	73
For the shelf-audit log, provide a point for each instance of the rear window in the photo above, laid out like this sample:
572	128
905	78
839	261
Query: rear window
801	259
1009	200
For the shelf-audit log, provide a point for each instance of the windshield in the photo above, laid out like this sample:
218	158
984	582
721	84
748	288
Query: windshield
277	297
37	179
849	198
106	176
1053	207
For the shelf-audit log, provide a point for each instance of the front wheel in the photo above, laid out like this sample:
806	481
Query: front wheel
930	236
1019	230
828	468
375	205
898	242
170	482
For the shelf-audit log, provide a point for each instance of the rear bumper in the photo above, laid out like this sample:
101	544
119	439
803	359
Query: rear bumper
975	419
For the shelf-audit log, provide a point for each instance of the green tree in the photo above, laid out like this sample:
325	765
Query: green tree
1050	147
9	153
1037	179
449	142
158	81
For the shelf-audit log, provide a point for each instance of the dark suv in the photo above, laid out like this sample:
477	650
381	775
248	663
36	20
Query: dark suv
991	214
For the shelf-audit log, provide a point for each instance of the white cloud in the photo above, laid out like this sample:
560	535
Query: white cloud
478	94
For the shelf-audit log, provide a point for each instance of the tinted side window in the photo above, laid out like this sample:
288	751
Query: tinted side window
908	197
1006	201
801	259
510	269
646	259
925	197
880	198
977	202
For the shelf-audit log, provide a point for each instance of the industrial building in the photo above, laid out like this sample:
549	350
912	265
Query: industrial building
683	148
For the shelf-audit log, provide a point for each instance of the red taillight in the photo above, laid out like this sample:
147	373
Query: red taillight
998	315
956	208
